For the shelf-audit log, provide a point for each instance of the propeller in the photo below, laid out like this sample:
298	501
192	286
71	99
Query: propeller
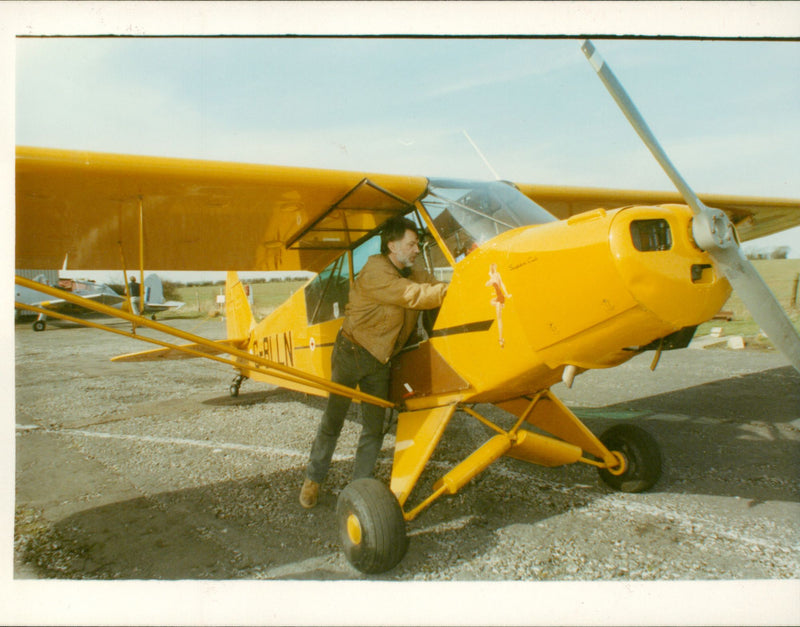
711	228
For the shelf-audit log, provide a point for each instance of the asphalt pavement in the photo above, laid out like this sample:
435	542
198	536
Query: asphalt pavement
153	473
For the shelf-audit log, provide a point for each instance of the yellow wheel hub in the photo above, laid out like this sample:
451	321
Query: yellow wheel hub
354	529
621	467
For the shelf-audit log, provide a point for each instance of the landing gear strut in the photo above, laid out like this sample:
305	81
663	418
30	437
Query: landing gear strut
237	383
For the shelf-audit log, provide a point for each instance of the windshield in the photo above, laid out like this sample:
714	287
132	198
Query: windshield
468	213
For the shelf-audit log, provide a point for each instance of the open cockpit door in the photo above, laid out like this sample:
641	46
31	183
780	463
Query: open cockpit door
349	226
351	219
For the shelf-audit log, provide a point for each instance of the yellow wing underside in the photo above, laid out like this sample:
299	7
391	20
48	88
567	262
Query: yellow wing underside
100	210
192	215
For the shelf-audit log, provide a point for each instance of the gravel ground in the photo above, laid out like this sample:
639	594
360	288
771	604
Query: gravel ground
152	472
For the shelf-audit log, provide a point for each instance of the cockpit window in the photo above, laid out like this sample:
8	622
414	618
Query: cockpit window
329	292
468	213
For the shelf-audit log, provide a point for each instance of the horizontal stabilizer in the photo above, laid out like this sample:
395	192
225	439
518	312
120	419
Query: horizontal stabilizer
182	351
170	304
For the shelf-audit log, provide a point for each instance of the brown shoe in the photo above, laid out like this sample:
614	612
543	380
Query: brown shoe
309	493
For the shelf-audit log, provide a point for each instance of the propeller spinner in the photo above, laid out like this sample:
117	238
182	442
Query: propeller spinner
711	228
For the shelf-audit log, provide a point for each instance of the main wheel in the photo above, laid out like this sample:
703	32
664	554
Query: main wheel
641	455
372	529
39	325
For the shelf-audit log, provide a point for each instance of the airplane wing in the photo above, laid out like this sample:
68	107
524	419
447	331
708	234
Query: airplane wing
92	208
753	216
59	304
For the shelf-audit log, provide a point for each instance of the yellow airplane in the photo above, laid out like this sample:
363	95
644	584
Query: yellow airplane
545	282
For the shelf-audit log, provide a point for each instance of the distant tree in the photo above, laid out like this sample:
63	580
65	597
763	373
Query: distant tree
779	252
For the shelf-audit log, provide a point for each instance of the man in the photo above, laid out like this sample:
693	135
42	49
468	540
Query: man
385	301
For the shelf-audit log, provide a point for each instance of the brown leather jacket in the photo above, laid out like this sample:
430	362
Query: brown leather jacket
383	307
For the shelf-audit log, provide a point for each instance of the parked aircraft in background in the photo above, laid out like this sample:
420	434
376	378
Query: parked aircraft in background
93	291
154	301
90	290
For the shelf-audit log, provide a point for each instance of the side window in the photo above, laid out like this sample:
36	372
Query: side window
328	293
360	255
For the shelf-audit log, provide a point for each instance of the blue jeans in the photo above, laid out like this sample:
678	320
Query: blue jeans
351	365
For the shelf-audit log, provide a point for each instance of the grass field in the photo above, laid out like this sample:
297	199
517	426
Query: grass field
202	300
781	275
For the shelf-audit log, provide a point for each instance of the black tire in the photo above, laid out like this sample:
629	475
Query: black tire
234	390
642	456
372	529
39	325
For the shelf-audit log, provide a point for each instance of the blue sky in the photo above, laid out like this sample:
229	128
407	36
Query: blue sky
727	112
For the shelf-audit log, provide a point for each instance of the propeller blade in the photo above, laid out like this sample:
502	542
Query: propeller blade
711	228
625	103
760	300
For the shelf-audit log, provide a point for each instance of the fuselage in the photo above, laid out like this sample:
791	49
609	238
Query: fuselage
580	293
522	304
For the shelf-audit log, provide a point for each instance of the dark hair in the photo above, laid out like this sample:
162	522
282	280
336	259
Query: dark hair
394	229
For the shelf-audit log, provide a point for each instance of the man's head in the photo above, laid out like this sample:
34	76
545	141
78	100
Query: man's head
400	242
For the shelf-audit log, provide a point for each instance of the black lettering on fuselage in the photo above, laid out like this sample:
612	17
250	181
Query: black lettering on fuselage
277	347
288	348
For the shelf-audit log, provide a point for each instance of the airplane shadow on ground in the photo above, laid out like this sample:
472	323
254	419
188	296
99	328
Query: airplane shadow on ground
264	396
253	527
735	437
769	396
